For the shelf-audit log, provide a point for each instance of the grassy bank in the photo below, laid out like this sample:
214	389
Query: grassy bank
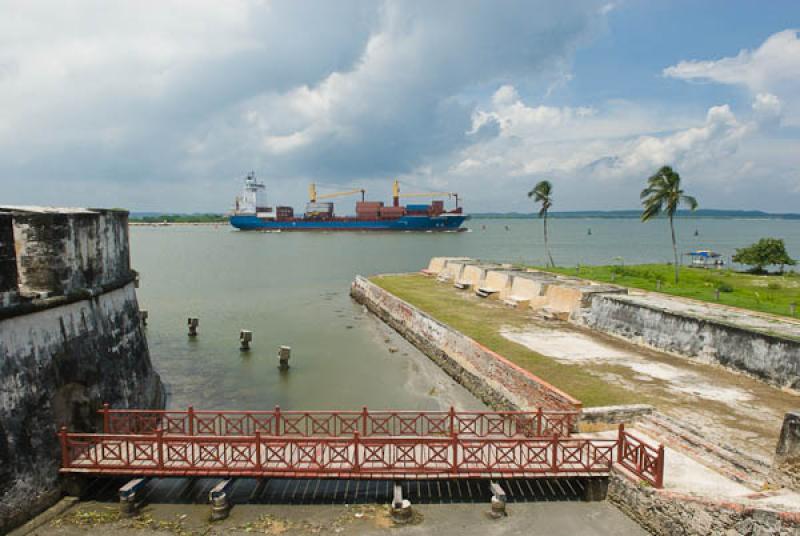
483	321
764	293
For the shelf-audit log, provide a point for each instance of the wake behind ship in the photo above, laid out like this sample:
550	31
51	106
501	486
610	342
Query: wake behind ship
252	213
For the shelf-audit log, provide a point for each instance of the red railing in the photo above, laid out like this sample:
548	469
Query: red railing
335	424
331	445
641	459
355	457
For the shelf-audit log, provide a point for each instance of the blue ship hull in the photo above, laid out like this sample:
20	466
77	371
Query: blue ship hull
406	223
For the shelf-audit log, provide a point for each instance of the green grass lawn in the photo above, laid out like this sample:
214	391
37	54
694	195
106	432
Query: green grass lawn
764	293
483	320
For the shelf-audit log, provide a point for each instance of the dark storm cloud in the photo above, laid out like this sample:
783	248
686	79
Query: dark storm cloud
143	98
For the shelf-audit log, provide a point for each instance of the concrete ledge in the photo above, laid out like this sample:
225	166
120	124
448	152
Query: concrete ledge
45	517
34	306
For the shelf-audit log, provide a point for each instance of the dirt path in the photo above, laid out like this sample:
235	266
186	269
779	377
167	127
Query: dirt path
724	406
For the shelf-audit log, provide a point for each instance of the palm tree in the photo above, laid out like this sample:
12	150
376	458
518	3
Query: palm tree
542	193
663	195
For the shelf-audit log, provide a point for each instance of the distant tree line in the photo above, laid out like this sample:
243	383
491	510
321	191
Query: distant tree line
663	196
179	218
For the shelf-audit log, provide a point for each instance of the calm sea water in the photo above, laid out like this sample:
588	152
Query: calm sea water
292	288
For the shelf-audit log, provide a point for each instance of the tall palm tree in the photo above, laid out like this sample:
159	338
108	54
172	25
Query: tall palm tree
543	193
663	195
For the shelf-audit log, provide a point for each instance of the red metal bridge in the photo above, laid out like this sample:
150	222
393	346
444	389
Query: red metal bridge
352	444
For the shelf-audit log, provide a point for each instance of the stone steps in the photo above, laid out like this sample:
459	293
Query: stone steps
727	460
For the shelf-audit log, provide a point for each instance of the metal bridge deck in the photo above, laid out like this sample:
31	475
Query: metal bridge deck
317	491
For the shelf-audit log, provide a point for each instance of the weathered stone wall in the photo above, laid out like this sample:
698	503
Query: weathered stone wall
62	357
773	359
489	376
665	512
8	262
59	252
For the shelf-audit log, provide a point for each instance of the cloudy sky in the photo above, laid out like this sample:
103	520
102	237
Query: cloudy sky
167	104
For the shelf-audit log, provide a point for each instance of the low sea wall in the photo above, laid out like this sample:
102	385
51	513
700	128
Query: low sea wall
665	512
70	339
771	358
489	376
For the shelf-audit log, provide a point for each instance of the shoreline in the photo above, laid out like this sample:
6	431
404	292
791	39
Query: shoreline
169	224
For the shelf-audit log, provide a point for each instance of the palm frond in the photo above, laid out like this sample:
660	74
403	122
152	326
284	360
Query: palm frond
690	201
651	211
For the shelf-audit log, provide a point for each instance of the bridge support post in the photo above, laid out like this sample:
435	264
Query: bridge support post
595	489
127	496
220	503
284	353
245	338
401	508
498	501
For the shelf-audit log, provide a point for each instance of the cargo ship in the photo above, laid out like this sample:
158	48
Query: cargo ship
252	213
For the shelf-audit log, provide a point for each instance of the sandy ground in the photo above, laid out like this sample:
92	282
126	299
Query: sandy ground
724	405
569	346
547	518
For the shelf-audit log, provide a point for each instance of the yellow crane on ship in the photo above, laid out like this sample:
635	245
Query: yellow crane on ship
396	195
313	197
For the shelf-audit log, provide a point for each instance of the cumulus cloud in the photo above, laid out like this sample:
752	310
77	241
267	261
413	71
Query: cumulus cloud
767	108
770	71
604	153
514	118
401	101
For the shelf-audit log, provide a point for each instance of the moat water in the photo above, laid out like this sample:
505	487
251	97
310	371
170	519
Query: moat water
292	289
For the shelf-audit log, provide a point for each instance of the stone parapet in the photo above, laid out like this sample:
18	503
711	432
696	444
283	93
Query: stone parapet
61	251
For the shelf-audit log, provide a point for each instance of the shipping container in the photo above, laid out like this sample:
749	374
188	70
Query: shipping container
285	213
418	208
392	212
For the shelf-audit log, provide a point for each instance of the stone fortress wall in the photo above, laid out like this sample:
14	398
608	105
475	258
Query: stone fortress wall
70	340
